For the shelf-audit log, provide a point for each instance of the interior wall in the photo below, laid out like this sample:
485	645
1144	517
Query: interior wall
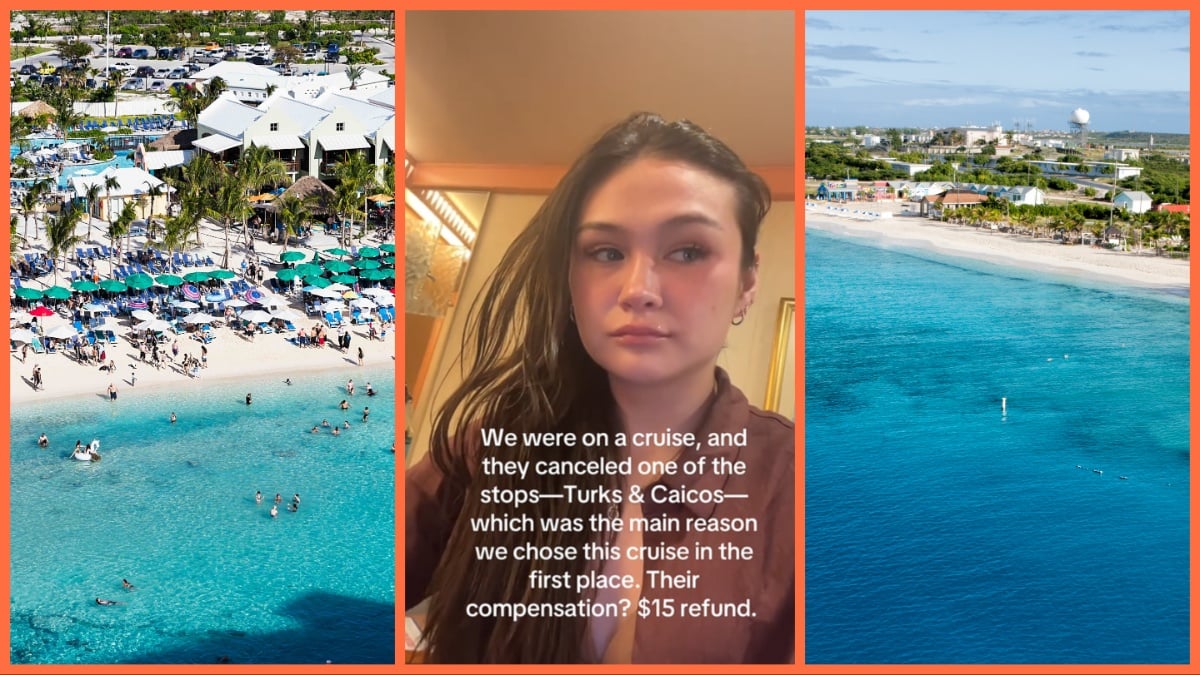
746	357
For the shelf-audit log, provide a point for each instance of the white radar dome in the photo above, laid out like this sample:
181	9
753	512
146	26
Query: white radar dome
1080	116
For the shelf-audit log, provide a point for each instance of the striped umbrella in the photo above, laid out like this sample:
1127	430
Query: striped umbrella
254	295
137	304
191	292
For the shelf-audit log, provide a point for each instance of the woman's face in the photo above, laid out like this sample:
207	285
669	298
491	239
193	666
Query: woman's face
656	275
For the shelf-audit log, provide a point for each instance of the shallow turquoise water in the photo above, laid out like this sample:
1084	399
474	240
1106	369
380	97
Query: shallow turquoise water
171	508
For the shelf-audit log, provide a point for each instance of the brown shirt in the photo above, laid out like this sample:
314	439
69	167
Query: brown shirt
767	578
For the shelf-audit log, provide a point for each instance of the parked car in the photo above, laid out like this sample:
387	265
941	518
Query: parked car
176	53
178	86
259	60
27	69
163	73
164	53
141	54
178	74
193	68
134	84
144	71
158	86
125	53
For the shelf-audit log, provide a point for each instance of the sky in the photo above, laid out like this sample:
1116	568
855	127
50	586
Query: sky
945	69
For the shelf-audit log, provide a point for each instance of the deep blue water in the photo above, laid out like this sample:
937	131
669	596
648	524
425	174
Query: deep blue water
171	508
939	530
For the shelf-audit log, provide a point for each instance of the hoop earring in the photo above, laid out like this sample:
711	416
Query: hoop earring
739	319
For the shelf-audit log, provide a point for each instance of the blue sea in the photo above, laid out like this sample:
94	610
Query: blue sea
941	530
171	508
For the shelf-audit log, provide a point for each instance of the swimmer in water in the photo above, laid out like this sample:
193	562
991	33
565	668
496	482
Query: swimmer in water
335	431
344	405
173	418
316	429
346	424
288	382
128	586
325	423
102	601
248	399
278	498
274	511
258	497
43	441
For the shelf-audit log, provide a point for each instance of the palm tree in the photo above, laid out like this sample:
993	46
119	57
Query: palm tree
109	183
258	166
92	197
354	73
60	232
228	205
358	175
292	212
154	191
14	239
29	204
120	228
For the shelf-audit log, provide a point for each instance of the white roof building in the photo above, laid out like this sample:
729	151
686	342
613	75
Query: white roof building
132	183
1133	201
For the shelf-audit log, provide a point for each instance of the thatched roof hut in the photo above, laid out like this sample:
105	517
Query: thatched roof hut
37	108
176	139
302	189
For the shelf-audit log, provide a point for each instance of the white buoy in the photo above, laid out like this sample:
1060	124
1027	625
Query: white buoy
1004	405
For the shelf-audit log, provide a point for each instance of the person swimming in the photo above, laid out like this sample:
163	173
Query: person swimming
344	405
102	601
288	381
43	441
336	431
325	423
316	429
258	497
248	399
173	418
278	498
274	511
128	586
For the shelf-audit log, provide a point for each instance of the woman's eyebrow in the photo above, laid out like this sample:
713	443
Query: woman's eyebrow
680	220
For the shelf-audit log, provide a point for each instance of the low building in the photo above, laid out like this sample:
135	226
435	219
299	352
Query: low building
1133	201
911	168
132	184
937	206
1122	154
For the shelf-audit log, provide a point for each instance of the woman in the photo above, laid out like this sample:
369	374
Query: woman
617	302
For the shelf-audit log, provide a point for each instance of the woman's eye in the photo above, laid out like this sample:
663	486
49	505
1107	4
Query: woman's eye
604	254
688	254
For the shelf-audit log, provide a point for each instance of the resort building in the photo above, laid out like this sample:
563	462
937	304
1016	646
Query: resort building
310	135
1097	169
911	168
133	183
1133	201
937	205
253	84
1123	154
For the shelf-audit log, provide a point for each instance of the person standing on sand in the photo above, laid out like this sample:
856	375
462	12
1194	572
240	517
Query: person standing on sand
37	376
360	356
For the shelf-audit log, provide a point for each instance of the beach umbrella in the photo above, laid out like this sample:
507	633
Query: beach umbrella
388	260
319	282
191	292
156	324
199	317
221	274
62	332
292	256
95	307
286	275
85	285
196	277
377	293
367	264
254	295
368	252
327	293
337	251
41	311
236	302
113	285
389	273
305	269
58	293
363	303
144	315
21	316
184	304
21	335
108	323
137	303
372	275
255	315
345	279
331	306
337	266
349	295
139	281
168	280
338	287
287	315
390	248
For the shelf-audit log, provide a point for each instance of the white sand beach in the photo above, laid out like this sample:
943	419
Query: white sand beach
1088	262
230	356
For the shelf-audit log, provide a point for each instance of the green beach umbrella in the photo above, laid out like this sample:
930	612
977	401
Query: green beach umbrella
372	275
113	285
389	273
305	269
337	251
139	281
337	266
222	274
319	282
29	293
169	280
287	275
390	248
388	260
368	252
345	279
293	256
84	285
58	293
367	264
196	277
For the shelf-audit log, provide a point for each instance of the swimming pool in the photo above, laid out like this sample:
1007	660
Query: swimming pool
171	508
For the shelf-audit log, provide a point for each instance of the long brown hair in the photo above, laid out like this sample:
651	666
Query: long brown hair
527	371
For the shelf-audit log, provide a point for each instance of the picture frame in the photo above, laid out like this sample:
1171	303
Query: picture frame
781	380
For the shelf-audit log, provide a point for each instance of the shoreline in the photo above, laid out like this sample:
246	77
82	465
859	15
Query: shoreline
1081	263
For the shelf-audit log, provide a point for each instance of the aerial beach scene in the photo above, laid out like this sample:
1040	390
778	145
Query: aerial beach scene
202	337
997	307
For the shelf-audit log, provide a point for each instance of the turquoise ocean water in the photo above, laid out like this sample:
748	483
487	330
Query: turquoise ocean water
171	508
939	530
